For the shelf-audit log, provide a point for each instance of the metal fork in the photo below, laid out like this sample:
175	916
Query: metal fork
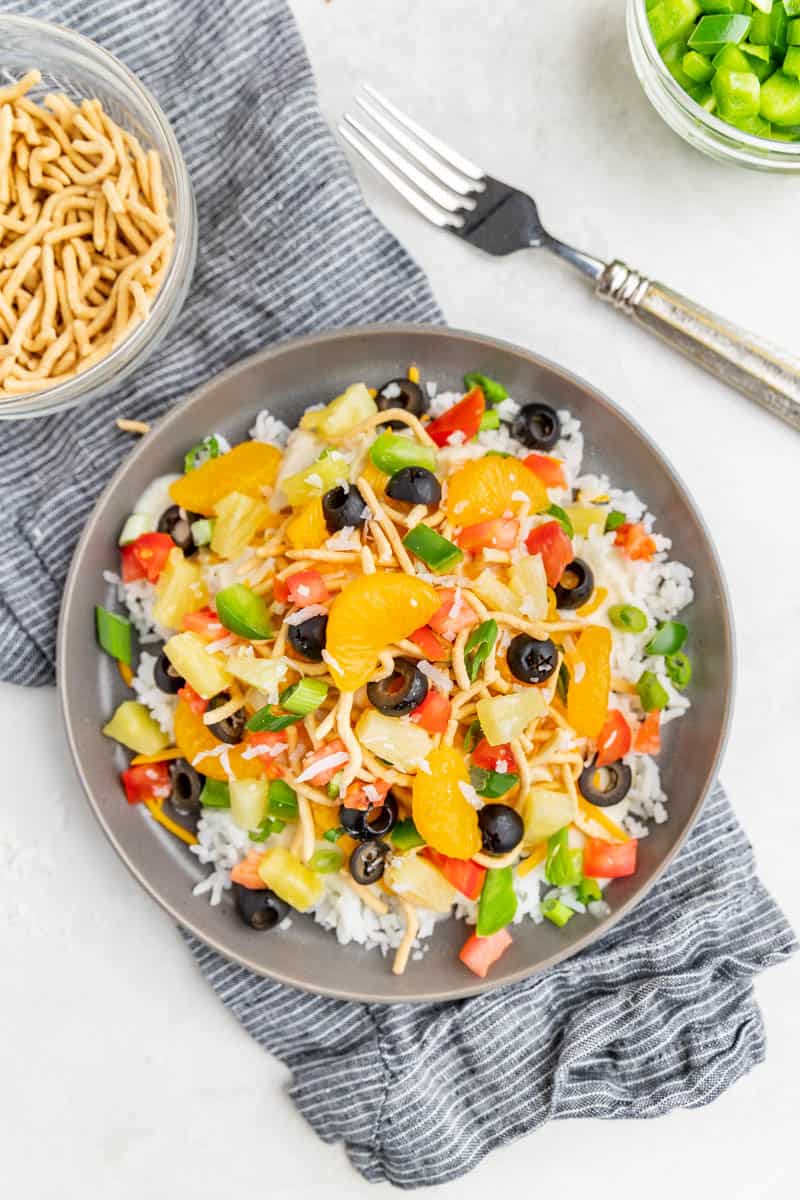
455	194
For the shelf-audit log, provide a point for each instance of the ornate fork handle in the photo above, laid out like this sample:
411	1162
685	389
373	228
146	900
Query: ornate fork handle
763	372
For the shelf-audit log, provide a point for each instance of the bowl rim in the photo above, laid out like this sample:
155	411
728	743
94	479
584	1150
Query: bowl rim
66	686
74	391
790	151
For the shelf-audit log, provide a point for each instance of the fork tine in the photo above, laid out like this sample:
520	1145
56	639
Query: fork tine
431	162
430	140
429	187
423	206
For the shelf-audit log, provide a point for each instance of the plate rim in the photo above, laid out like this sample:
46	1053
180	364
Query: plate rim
175	414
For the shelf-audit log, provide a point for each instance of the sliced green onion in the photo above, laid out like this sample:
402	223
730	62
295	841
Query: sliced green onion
589	890
404	836
478	647
333	835
651	693
334	787
215	794
494	392
134	527
434	550
562	683
208	448
490	420
498	902
627	617
614	520
282	801
270	720
203	530
679	669
556	911
563	865
267	827
304	696
492	784
669	637
325	862
391	452
555	510
472	737
114	634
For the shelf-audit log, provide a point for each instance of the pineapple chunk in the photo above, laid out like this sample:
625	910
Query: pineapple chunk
351	408
529	584
262	673
398	742
545	812
239	519
585	517
317	479
307	529
419	882
290	879
504	718
248	802
491	591
202	671
180	590
133	726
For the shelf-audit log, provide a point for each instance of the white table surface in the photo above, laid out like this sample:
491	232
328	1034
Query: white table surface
120	1074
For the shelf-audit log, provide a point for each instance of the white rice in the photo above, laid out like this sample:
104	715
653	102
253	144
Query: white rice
160	705
270	429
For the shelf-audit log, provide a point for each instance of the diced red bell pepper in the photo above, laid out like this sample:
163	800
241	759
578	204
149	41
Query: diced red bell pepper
614	739
280	591
609	860
480	953
364	796
635	542
465	875
205	622
552	543
306	587
146	557
434	712
550	470
648	735
189	696
431	645
147	781
499	534
490	758
464	418
270	746
453	615
323	777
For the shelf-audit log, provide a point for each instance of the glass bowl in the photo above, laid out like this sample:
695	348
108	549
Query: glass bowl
699	128
75	65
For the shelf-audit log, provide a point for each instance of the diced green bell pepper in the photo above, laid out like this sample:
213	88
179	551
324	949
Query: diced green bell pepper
793	33
243	612
498	902
713	32
792	8
791	64
404	836
759	29
780	100
672	19
778	27
494	392
731	58
390	452
697	66
703	95
114	634
738	93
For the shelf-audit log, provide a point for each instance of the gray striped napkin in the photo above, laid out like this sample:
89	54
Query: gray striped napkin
658	1014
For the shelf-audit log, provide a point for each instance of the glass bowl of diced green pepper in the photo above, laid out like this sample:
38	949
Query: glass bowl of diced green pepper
724	75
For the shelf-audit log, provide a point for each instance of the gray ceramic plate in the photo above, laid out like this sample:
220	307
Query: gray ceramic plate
286	379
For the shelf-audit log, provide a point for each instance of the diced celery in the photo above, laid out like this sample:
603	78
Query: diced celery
504	718
201	670
672	19
737	93
180	590
400	743
315	480
113	634
239	518
780	100
697	66
545	812
133	726
351	408
290	879
134	527
248	802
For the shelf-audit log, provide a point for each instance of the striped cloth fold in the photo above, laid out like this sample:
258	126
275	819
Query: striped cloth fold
660	1012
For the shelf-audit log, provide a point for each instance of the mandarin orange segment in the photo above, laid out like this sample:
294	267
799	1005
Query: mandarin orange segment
484	489
589	681
307	529
441	811
368	615
247	468
193	737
